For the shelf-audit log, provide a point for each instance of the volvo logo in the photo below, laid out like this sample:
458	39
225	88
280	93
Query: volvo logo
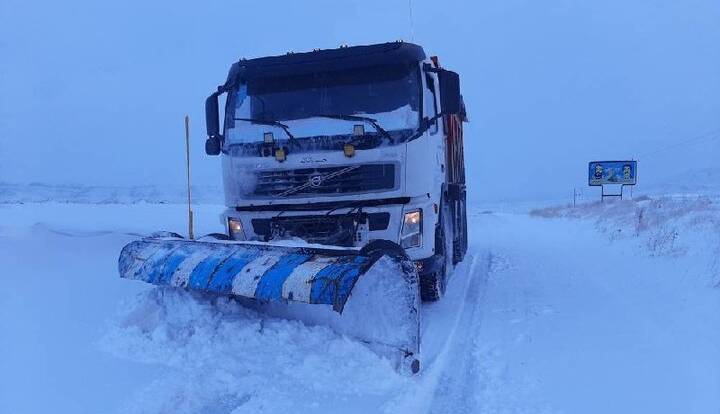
315	180
311	160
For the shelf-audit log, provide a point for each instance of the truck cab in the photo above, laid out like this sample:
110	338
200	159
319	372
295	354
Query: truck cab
342	147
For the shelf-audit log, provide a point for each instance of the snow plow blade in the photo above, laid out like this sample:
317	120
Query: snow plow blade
370	294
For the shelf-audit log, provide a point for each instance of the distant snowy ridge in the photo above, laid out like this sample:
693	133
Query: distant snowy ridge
11	193
695	181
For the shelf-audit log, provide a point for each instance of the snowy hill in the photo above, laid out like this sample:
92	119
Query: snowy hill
696	181
12	193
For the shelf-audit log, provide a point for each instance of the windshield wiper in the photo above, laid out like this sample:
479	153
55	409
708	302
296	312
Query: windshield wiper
371	121
284	127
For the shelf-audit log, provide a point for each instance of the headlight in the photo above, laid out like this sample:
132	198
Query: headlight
235	229
411	235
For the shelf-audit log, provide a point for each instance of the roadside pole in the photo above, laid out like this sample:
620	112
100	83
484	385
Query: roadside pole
191	235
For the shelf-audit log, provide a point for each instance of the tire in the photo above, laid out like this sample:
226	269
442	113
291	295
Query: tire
460	248
432	285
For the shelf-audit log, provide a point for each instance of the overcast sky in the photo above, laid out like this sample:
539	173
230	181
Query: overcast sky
95	92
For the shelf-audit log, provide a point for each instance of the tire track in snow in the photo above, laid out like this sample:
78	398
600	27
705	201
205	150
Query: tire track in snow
459	382
421	398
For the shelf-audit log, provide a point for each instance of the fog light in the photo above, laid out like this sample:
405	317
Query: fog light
280	154
349	150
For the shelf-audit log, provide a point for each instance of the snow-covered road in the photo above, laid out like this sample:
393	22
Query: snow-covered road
592	310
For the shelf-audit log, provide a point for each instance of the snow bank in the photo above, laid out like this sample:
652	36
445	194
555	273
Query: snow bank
665	226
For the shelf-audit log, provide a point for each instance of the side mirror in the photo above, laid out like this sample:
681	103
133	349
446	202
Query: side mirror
449	92
212	146
212	124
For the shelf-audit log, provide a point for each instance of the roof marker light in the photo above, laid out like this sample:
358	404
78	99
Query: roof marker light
359	130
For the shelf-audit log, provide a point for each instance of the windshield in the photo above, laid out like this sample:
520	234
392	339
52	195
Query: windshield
389	94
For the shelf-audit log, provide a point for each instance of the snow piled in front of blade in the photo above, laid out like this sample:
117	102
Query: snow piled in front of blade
222	357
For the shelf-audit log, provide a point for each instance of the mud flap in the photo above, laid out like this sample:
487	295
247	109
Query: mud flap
370	294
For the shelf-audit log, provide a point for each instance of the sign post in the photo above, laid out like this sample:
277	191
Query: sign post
612	173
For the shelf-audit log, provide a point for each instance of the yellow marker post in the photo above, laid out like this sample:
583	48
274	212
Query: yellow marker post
191	235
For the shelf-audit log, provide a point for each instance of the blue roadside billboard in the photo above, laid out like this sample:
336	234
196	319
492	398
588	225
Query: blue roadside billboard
612	172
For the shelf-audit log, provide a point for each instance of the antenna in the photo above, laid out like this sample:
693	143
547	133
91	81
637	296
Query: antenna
412	25
191	236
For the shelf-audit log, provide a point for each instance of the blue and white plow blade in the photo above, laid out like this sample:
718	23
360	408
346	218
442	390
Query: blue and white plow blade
370	294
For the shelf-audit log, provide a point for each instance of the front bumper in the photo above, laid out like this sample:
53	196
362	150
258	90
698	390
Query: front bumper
319	223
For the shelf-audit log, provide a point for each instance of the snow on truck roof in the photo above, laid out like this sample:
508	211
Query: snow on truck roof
326	60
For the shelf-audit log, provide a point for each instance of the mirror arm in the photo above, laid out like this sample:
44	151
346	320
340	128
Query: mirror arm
429	68
429	121
425	124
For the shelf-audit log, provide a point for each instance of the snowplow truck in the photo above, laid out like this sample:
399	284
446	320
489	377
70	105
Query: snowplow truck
344	183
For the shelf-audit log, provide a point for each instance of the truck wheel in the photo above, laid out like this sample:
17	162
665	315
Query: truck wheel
432	286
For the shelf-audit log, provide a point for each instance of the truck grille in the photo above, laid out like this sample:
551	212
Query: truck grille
363	178
336	230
